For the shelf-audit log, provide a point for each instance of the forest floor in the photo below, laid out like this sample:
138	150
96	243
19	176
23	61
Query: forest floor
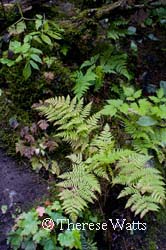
19	188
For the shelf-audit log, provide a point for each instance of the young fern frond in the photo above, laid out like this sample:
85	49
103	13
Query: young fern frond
115	30
83	82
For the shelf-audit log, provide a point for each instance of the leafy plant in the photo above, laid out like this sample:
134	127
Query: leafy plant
28	231
97	67
36	145
93	156
143	119
117	30
23	51
145	186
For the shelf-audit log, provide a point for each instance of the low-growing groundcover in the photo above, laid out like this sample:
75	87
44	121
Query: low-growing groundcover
83	99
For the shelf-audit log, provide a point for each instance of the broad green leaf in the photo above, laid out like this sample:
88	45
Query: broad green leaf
36	58
36	38
28	38
146	121
38	23
128	91
19	58
20	27
163	136
15	46
70	239
160	93
109	110
30	246
27	71
42	233
6	61
137	94
154	99
29	223
163	111
46	39
34	65
45	26
4	209
50	243
36	51
25	47
54	35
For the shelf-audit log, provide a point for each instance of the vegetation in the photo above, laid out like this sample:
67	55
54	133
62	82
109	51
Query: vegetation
75	104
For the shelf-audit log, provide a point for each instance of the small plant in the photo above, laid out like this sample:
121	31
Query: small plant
23	51
29	231
36	145
117	30
143	120
92	72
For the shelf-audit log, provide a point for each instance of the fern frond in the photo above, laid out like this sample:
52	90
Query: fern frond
144	184
78	188
83	82
115	32
72	120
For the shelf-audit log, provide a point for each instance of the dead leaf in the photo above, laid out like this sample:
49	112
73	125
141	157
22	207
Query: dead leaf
43	124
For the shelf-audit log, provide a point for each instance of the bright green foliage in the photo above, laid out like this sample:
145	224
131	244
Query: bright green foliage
24	52
93	71
79	187
70	239
144	184
93	157
83	82
28	233
73	120
143	118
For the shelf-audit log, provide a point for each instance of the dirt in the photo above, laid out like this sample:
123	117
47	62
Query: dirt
19	189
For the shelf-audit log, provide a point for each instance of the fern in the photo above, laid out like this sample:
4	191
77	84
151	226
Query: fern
145	185
78	188
73	121
94	156
115	31
83	82
115	64
92	71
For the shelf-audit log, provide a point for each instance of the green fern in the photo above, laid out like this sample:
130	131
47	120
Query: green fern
116	31
115	64
78	188
83	82
92	71
145	185
94	156
73	121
